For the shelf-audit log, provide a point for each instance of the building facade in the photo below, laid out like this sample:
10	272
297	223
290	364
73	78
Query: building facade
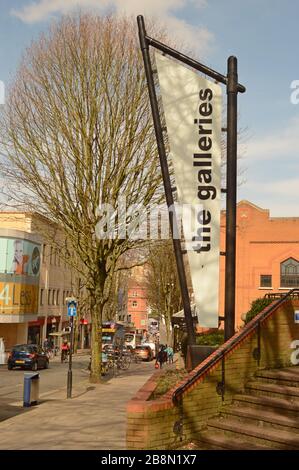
34	281
267	256
137	306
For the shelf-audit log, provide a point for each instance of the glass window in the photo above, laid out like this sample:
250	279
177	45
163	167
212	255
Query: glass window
44	253
134	303
41	301
289	273
266	280
49	296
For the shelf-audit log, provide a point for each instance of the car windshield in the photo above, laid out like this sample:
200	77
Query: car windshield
23	348
129	337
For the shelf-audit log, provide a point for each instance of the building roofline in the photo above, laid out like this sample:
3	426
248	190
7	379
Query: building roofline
260	209
29	214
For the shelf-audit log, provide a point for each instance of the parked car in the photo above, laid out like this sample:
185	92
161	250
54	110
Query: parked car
144	352
27	356
152	346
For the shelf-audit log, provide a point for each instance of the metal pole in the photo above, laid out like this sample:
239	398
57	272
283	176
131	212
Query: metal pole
70	372
191	62
166	180
231	197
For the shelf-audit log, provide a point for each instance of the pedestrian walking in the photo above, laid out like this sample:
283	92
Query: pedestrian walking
160	358
170	355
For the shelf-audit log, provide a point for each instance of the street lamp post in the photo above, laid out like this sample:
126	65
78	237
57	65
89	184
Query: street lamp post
72	312
70	371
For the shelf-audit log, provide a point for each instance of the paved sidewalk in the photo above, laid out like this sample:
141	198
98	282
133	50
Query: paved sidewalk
94	419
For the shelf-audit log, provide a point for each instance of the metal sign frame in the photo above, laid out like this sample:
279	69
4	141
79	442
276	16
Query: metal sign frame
232	89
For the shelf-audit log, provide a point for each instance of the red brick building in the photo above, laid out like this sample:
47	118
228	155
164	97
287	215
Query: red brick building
267	261
137	308
267	256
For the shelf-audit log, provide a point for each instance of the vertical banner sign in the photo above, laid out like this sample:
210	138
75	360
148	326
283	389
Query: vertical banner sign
192	108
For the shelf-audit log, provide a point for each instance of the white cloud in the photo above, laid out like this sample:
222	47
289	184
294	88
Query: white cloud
280	144
165	10
278	195
43	9
272	169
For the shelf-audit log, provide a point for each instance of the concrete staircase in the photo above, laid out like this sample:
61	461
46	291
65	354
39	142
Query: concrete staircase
265	416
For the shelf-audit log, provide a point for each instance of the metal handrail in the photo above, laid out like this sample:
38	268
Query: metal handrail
232	342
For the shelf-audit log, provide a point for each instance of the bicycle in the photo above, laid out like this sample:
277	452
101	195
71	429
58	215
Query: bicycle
64	355
136	358
50	353
124	361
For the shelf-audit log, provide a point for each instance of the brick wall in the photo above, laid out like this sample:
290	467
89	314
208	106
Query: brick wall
150	424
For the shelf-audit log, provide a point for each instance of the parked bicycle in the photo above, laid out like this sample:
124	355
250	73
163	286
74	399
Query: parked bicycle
124	360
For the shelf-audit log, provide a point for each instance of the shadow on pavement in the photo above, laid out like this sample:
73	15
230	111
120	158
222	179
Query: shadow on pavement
9	411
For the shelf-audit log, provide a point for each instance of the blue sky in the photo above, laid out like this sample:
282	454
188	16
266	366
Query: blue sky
264	35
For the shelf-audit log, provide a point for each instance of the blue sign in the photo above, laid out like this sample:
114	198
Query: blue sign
72	308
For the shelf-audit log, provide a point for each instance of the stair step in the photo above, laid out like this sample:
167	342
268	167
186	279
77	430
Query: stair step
221	442
269	402
270	417
272	437
281	390
284	377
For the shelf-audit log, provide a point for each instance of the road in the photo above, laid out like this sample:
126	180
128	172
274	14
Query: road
94	419
11	381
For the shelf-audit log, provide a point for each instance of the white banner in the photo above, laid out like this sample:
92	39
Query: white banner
192	107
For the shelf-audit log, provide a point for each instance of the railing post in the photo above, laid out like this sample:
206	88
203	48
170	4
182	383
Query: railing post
220	389
257	351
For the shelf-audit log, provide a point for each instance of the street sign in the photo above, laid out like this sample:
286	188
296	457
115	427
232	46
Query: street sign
72	308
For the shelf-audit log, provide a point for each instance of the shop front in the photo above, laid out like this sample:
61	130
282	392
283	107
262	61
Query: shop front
35	331
52	325
19	288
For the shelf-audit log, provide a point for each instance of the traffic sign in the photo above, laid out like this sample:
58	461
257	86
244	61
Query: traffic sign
72	308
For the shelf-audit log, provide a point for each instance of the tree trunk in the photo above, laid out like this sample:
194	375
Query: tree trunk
168	332
96	340
76	334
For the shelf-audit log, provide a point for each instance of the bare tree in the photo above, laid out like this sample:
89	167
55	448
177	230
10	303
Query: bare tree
77	132
163	290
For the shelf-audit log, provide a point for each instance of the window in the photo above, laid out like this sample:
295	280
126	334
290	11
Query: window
51	254
266	280
53	296
49	296
134	294
57	297
44	253
289	273
134	303
41	300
